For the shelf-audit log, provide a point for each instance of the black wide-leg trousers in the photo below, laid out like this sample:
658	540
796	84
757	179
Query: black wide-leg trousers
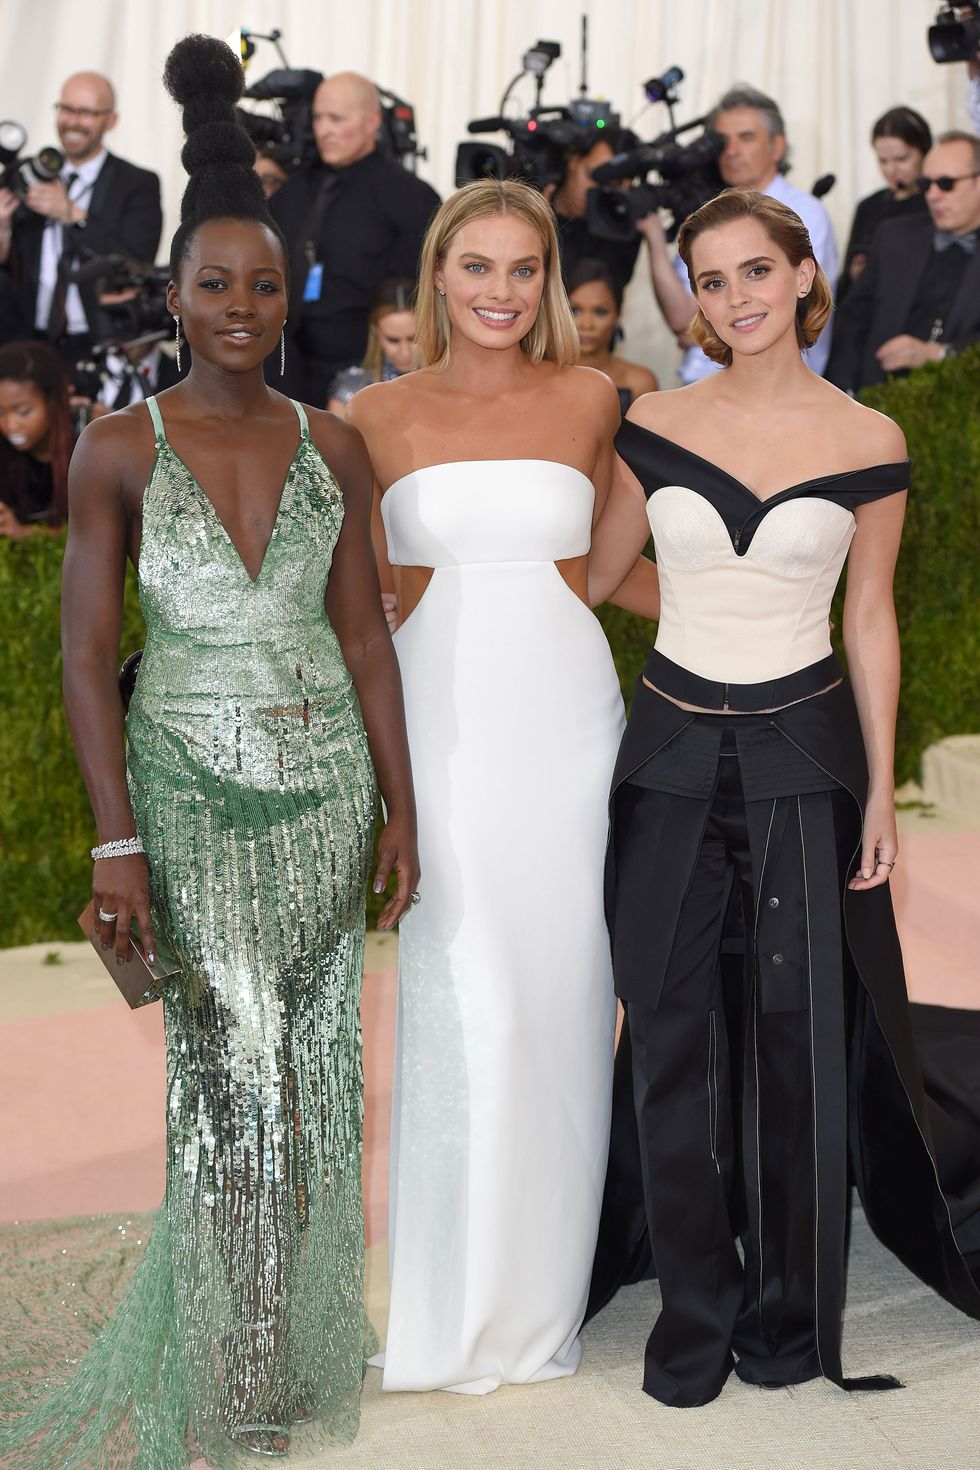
735	1141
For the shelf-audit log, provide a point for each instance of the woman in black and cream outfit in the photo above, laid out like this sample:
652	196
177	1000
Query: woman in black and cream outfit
755	783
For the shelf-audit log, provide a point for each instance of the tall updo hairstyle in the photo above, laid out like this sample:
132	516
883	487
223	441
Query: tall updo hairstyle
786	231
206	79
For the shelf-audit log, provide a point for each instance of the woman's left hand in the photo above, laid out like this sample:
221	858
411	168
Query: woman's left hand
879	846
398	851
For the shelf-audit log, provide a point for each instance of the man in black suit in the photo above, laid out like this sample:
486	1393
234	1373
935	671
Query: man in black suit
100	205
351	221
918	298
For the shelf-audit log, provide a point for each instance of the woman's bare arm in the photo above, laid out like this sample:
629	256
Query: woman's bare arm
873	658
354	607
91	618
618	539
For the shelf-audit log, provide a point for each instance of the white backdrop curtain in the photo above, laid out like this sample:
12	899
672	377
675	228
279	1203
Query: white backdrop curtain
834	66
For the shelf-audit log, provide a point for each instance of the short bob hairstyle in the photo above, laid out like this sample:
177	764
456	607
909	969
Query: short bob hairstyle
787	231
553	337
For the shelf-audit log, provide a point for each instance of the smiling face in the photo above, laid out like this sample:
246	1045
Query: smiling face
750	156
396	333
231	296
596	317
900	165
85	111
25	419
746	286
493	277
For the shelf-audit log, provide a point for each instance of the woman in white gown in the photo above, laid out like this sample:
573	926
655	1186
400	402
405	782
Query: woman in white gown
492	466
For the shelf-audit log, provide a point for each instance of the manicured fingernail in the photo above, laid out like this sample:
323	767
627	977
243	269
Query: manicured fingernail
378	885
151	956
865	872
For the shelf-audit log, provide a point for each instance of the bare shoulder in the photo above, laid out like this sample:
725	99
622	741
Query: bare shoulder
864	434
339	443
664	411
114	452
376	400
639	379
589	391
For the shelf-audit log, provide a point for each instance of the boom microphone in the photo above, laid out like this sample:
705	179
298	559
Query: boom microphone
488	125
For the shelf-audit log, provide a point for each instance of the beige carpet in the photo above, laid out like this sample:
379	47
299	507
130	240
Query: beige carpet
599	1419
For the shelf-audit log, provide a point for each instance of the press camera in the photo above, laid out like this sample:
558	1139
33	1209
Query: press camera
955	35
19	173
287	130
539	142
688	172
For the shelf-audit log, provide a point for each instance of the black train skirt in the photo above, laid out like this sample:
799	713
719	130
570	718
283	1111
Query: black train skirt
821	948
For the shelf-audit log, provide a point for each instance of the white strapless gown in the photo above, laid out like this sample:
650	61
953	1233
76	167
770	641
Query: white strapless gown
503	1068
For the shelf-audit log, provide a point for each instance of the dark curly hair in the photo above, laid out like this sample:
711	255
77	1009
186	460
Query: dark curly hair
206	79
38	364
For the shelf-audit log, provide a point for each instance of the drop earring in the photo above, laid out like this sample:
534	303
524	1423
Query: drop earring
177	320
282	351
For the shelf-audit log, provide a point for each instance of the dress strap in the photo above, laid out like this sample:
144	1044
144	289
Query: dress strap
301	415
157	418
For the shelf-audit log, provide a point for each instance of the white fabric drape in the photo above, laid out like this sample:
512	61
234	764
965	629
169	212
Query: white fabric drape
834	66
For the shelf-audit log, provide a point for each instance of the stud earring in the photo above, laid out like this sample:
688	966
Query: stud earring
282	351
440	290
177	320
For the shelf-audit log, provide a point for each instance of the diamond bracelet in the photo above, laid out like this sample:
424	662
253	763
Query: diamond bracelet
120	847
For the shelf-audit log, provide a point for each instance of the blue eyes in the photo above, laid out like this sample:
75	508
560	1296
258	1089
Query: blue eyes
757	270
523	271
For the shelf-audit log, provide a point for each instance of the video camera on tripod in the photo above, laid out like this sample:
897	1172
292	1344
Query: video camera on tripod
287	131
688	172
539	141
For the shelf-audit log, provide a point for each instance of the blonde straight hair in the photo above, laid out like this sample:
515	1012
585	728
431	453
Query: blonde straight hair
553	337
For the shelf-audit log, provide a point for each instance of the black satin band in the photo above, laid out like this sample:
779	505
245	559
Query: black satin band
712	694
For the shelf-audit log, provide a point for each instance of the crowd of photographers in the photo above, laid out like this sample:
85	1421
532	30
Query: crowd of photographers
83	326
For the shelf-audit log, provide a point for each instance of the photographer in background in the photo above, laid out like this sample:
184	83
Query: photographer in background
569	198
754	157
36	440
352	220
100	205
918	298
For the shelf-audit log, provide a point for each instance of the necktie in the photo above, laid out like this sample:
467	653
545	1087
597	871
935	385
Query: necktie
57	316
942	240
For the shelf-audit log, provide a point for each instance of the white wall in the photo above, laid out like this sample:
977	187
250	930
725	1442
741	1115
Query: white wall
834	66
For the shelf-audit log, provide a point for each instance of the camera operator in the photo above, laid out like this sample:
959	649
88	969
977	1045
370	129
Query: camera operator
569	201
918	298
99	205
754	157
351	220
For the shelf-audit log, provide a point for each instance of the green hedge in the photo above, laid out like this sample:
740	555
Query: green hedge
45	823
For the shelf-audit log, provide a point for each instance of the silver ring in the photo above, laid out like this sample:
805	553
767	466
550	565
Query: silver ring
416	897
887	865
107	918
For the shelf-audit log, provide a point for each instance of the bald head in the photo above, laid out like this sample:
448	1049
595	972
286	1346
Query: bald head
346	118
86	112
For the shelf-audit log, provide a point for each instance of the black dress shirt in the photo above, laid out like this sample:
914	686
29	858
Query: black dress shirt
370	226
936	293
869	214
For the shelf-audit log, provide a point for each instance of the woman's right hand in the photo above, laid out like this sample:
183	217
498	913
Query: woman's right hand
121	887
389	603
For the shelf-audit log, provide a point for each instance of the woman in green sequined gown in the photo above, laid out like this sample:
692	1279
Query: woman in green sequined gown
250	778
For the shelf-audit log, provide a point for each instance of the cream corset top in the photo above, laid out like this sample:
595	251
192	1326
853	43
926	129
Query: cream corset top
746	584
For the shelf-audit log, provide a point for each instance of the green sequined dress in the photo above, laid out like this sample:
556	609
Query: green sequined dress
254	795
